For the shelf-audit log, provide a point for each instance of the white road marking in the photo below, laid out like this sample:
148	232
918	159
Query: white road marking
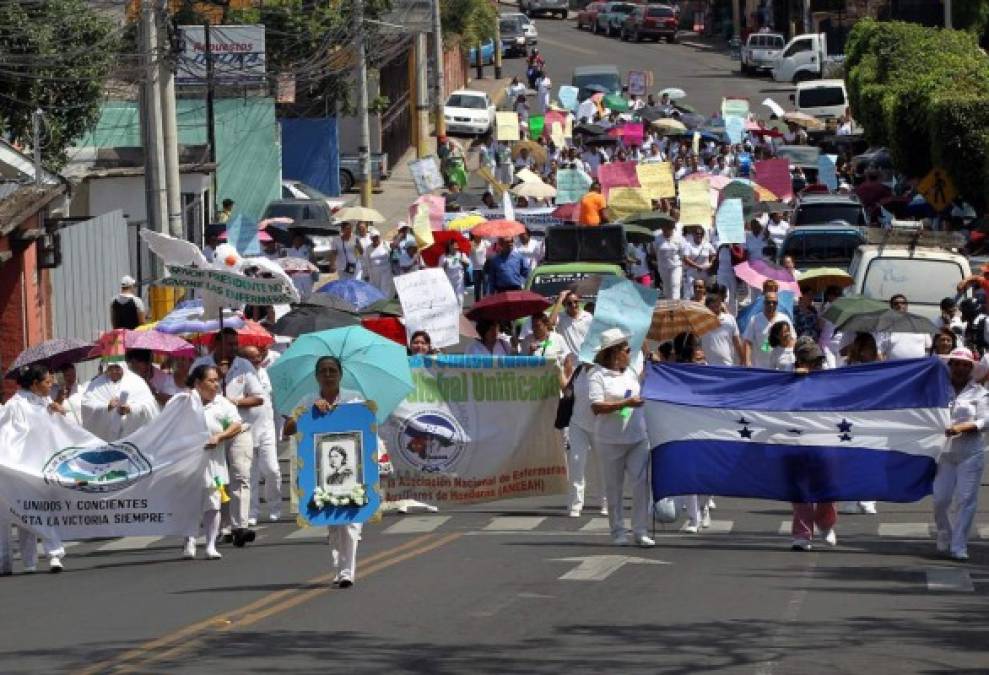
416	524
906	530
600	567
720	527
514	523
984	532
601	525
949	579
129	544
786	527
308	533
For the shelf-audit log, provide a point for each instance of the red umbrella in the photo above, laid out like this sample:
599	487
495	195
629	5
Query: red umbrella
569	212
386	326
496	229
508	306
432	253
252	334
161	343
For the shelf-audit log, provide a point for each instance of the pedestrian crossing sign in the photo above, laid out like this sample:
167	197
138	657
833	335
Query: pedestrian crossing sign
938	189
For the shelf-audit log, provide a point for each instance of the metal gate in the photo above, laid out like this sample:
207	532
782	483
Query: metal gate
396	120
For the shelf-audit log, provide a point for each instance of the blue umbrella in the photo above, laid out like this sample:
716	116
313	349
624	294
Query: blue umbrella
358	293
187	317
375	366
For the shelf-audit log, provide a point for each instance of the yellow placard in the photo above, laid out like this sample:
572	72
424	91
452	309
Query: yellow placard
657	179
568	127
556	134
938	189
421	229
507	126
625	201
695	202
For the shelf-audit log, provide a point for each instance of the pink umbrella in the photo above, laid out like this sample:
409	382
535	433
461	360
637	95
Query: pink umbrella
152	340
752	125
755	272
292	264
277	220
569	212
262	236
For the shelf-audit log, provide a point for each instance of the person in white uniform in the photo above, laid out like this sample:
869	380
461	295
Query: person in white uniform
723	345
454	264
348	253
697	254
117	403
377	261
959	471
669	260
224	425
265	464
758	353
573	323
620	435
30	405
530	249
727	279
490	341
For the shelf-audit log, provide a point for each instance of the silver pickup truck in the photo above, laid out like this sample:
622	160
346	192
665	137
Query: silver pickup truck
350	170
761	51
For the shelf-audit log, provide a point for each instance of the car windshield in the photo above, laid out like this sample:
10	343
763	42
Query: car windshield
552	284
463	101
622	9
510	26
767	41
820	97
922	281
821	249
822	214
609	81
660	11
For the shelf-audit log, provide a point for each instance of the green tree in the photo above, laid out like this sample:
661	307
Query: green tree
470	21
54	55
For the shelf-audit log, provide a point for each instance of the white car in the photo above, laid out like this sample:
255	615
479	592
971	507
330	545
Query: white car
469	112
531	34
296	189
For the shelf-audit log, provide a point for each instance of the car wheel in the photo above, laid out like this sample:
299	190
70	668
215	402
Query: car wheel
346	181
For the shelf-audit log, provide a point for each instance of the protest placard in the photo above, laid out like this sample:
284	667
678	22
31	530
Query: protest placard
637	82
827	171
734	107
744	192
657	179
735	128
429	304
775	107
634	133
625	201
617	174
421	229
507	126
242	234
232	286
568	97
536	124
620	304
435	205
774	175
695	202
426	174
571	185
729	222
556	135
527	176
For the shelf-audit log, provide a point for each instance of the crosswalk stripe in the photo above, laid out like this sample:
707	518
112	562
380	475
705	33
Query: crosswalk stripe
786	527
949	579
504	523
600	525
720	527
906	530
308	533
129	544
416	524
984	532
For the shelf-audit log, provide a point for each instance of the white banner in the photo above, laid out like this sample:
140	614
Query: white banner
57	478
232	286
429	304
476	429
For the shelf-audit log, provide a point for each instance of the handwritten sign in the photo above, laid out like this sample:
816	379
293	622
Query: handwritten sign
620	304
730	223
571	185
735	128
734	107
426	174
695	202
429	304
657	179
625	201
617	174
507	126
233	287
774	175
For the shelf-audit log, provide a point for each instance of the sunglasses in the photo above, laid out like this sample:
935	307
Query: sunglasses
770	303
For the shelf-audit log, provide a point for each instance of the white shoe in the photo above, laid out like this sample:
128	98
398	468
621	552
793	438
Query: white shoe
343	580
604	510
830	536
943	542
252	522
800	545
690	528
274	516
706	518
961	555
644	541
30	569
711	504
189	552
575	513
212	553
55	565
621	539
868	508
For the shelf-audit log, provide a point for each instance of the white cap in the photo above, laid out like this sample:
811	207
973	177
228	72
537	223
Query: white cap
127	281
373	232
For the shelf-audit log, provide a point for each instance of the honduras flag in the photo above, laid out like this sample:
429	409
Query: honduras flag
869	432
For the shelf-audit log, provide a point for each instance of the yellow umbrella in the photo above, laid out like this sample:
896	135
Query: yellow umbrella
466	222
804	120
536	151
359	214
537	190
667	124
820	278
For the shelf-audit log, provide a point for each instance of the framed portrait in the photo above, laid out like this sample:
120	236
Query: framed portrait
338	461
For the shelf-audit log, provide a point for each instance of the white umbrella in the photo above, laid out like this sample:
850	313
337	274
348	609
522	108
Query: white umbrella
359	214
535	190
674	93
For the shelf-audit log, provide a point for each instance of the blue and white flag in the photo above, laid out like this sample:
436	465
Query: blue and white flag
869	432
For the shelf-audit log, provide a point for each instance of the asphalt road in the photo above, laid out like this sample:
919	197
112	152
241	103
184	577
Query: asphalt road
516	586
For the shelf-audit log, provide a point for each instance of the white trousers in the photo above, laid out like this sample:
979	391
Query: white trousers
617	460
695	507
28	544
957	484
343	549
240	458
265	465
672	282
580	446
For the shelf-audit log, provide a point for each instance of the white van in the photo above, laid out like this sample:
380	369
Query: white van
824	99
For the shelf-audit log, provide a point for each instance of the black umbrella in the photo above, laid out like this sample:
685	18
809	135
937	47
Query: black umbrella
588	129
888	320
597	88
314	229
387	307
52	353
692	120
312	318
651	220
638	234
601	140
651	114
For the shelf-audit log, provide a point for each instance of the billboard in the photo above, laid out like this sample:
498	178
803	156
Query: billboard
237	52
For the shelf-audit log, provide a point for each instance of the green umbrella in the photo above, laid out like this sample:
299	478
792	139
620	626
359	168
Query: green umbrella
374	366
651	220
637	234
888	321
388	307
842	309
615	102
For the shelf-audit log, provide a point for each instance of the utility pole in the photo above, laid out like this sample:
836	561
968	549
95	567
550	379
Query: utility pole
736	19
36	144
154	157
440	83
210	123
170	134
497	46
422	97
948	19
364	145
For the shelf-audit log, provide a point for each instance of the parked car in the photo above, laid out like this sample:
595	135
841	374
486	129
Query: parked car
815	246
311	217
528	25
761	52
587	17
296	189
824	99
469	111
805	57
513	40
610	18
828	209
607	77
350	170
655	21
533	7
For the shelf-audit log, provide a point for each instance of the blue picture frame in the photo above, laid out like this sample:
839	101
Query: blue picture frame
351	427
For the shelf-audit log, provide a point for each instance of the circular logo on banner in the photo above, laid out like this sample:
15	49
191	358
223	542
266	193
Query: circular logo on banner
431	441
112	467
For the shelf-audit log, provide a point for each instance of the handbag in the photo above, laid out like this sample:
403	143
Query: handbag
564	409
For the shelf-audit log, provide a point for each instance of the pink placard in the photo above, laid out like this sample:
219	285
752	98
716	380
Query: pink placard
436	206
774	175
634	134
617	174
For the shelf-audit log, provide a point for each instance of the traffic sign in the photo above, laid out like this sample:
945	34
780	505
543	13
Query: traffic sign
938	189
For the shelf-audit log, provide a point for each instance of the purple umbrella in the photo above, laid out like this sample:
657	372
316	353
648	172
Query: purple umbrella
53	353
755	272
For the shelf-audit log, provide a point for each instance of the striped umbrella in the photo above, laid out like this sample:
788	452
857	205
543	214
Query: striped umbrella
672	317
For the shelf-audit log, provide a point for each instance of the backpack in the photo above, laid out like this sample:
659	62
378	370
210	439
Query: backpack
123	314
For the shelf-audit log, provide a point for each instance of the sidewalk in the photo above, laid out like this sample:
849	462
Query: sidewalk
399	190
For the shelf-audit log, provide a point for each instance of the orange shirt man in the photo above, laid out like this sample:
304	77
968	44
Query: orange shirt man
592	207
